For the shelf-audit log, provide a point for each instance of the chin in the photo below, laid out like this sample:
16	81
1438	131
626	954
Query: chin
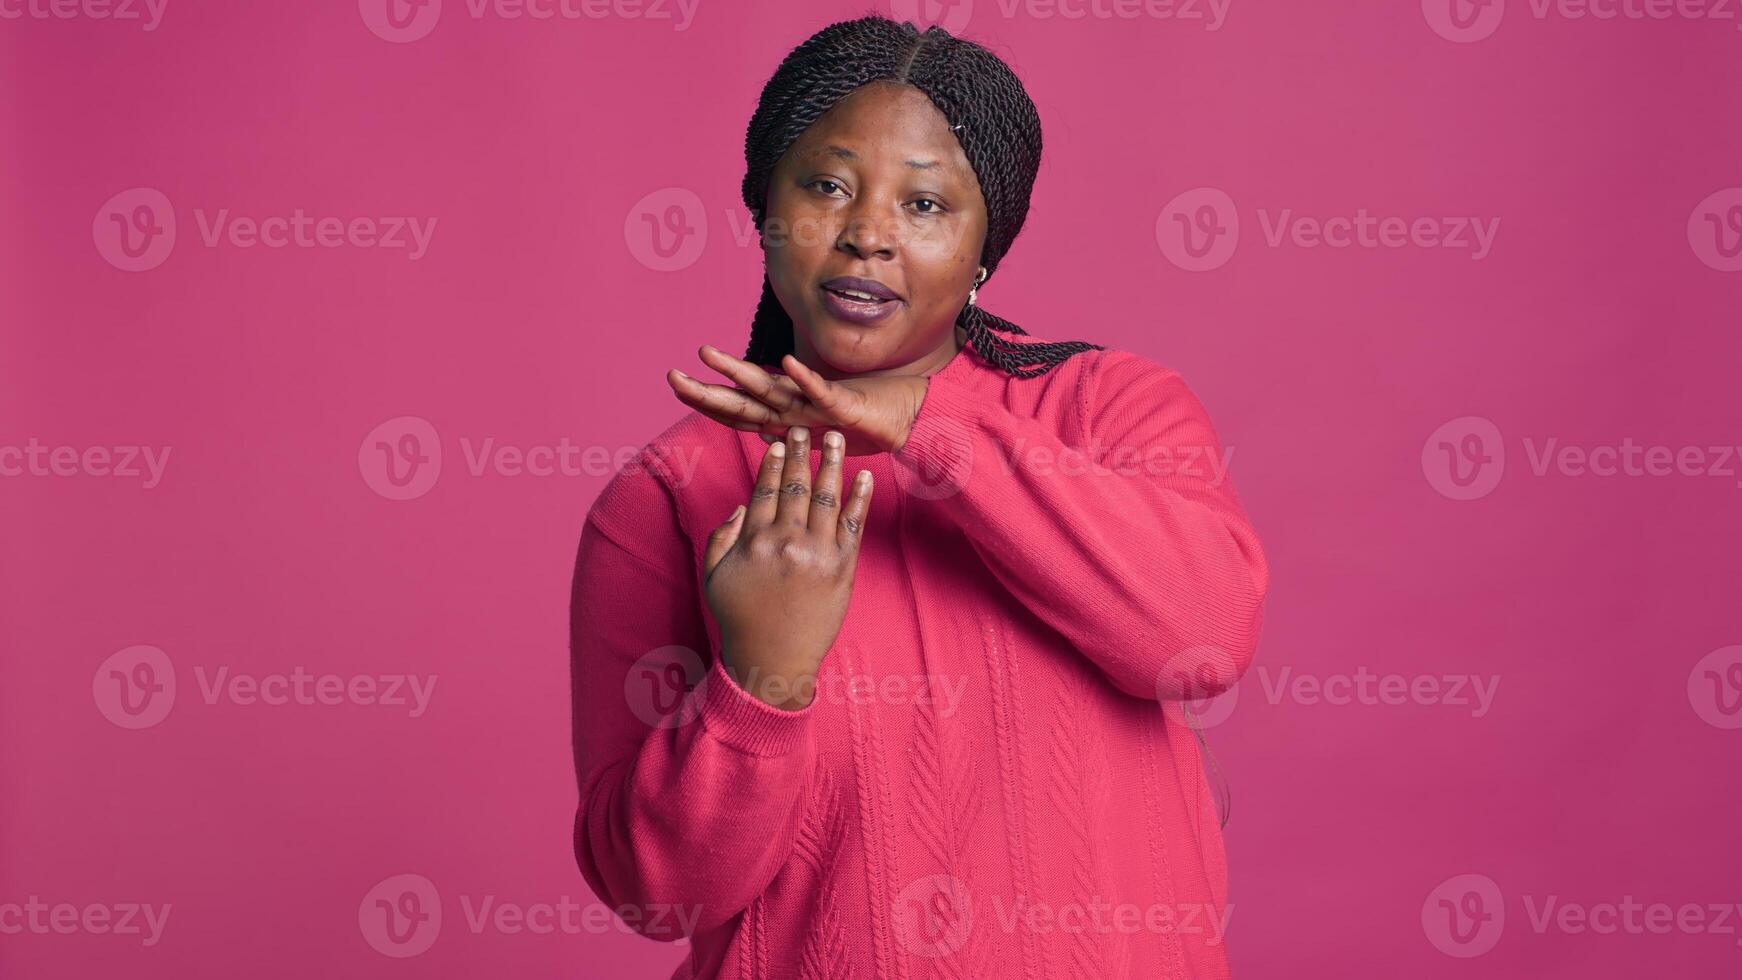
855	350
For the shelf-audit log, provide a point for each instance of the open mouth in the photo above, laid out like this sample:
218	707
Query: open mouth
856	305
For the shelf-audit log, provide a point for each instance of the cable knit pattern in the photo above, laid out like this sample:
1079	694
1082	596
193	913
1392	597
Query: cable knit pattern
987	783
1002	679
946	804
825	955
1078	792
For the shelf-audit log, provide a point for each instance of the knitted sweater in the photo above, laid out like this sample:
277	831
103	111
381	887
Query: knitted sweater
994	778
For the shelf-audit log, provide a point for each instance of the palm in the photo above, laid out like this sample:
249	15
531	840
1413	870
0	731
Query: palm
875	414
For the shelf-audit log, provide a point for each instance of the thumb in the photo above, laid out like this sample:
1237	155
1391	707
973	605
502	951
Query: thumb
722	539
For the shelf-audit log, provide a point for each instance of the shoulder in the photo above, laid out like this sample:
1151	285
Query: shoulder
1086	382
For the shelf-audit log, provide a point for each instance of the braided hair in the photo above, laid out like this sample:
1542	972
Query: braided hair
990	113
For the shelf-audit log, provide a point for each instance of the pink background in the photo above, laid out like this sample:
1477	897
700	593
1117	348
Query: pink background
1604	769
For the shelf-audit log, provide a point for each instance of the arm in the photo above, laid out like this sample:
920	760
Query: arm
690	814
1149	566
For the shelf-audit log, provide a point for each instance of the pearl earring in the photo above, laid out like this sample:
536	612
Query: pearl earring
976	287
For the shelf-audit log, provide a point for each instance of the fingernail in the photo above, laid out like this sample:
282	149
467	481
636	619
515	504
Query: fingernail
800	433
738	513
833	439
681	374
778	449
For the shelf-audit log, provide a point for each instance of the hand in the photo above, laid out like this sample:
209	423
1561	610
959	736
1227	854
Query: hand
778	573
875	414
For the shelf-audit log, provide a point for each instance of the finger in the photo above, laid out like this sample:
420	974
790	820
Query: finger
702	396
854	511
731	422
795	480
826	493
761	385
765	495
823	393
721	540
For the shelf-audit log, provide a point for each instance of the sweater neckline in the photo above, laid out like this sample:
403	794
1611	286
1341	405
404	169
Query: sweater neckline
957	365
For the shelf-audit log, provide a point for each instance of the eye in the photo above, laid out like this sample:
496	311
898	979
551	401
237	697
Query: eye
936	207
819	182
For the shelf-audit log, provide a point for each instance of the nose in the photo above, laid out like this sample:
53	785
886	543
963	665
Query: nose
866	235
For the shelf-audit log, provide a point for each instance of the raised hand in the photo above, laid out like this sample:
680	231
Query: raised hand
778	573
874	413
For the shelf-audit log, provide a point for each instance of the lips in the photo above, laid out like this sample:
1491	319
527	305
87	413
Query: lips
858	290
861	302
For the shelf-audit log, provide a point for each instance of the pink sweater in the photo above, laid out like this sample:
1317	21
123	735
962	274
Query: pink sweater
987	783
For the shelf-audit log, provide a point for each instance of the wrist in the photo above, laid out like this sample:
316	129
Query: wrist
921	386
790	689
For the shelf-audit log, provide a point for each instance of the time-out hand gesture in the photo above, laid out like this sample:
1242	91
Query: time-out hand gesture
875	414
778	573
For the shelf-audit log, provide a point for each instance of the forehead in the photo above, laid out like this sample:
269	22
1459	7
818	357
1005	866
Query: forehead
885	123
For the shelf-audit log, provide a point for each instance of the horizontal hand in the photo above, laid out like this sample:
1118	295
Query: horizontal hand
875	414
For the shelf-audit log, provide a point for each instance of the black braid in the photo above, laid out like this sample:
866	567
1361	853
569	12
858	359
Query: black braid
993	118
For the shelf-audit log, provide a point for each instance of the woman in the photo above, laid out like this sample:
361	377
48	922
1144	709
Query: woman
925	731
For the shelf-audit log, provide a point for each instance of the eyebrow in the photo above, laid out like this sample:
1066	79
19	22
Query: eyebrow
832	150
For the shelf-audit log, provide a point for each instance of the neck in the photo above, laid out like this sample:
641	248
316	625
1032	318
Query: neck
924	366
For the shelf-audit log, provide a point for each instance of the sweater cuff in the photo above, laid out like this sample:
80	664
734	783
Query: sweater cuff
746	722
939	446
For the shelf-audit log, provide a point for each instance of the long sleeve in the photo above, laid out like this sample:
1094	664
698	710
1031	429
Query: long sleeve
688	806
1148	565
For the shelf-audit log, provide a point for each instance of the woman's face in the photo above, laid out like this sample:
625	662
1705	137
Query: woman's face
880	190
